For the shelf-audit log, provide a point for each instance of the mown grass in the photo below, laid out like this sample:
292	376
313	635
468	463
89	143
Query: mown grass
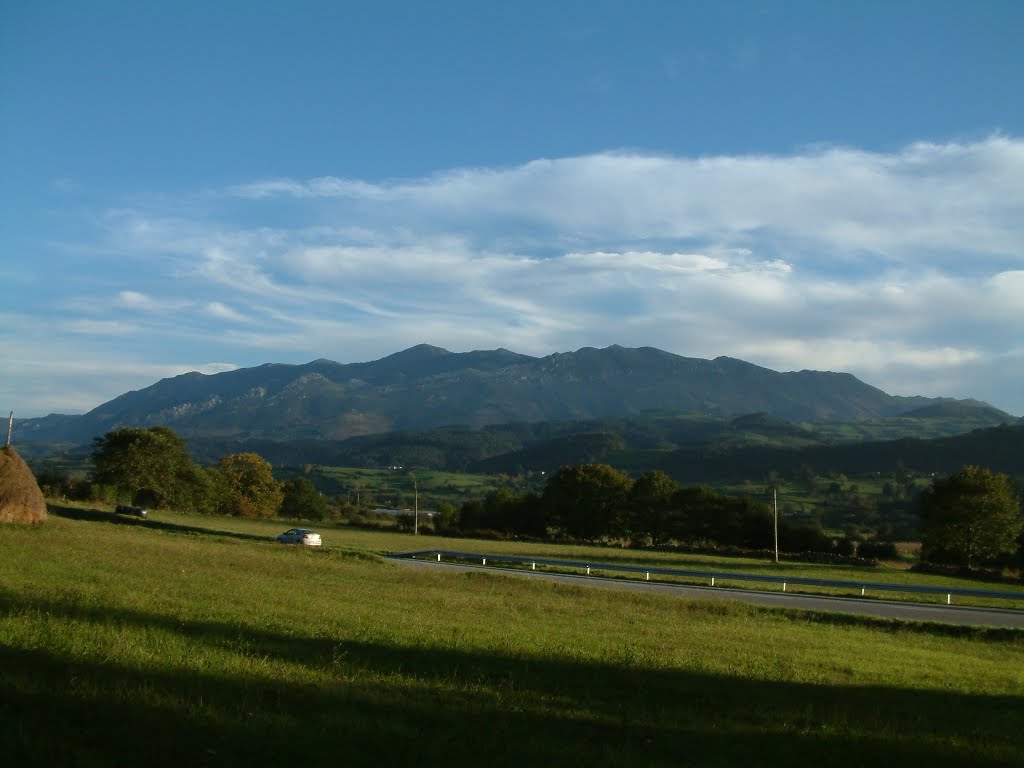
198	642
389	541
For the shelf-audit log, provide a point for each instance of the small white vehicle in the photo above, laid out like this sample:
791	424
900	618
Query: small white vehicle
125	509
300	536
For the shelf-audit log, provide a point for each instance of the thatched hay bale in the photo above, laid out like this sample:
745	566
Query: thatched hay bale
21	501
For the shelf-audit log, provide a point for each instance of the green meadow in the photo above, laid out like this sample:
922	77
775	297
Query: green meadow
192	641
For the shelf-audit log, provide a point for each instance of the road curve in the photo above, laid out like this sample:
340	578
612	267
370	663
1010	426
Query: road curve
889	609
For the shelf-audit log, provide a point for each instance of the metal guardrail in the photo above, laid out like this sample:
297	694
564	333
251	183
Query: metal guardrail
588	566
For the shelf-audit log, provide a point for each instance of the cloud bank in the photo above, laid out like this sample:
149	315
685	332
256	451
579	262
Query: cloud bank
906	268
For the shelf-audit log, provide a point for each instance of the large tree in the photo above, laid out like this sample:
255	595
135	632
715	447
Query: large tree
149	466
589	501
250	487
653	514
503	510
302	500
969	517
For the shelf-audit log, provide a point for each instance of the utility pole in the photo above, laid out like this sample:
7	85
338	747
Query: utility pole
415	505
775	504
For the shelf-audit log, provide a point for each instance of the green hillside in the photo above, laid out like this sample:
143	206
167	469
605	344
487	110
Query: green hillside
174	643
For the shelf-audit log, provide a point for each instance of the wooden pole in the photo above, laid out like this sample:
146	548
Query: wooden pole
415	504
10	426
775	516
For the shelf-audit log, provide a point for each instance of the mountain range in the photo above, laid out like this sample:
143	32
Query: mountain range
427	387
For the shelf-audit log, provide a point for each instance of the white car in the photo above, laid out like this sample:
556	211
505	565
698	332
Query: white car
300	536
124	509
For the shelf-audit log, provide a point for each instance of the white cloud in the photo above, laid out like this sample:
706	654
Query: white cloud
98	327
141	302
927	199
680	263
842	353
221	311
134	299
270	188
906	268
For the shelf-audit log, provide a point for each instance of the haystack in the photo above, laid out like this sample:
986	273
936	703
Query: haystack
21	501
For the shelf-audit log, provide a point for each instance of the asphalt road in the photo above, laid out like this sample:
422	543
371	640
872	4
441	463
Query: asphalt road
889	609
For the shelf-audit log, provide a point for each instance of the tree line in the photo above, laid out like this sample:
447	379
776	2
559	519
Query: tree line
971	518
151	467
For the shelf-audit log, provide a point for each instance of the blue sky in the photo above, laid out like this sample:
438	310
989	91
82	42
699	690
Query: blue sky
211	185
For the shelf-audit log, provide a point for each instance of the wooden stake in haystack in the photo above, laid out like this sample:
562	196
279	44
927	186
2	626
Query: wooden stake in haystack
21	501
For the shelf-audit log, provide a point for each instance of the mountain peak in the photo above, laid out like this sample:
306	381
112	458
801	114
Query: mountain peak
418	352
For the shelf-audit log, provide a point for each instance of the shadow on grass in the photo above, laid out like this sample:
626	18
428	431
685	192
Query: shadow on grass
336	701
111	518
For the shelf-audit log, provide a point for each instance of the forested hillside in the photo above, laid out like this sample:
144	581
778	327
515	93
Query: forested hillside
998	448
426	388
691	449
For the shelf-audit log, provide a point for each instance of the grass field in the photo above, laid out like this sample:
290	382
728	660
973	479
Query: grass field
395	487
197	641
388	541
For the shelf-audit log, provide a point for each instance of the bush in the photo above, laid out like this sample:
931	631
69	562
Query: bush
880	550
830	558
302	501
804	538
844	547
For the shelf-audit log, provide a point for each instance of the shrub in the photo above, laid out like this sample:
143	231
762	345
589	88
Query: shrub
880	550
844	547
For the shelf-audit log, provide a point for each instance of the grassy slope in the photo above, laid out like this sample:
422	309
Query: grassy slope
208	645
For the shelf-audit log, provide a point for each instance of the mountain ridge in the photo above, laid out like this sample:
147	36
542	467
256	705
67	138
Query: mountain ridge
424	387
